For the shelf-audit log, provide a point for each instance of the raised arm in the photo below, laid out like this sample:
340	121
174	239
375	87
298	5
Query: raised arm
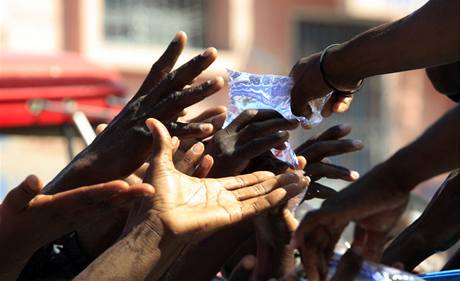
377	199
425	38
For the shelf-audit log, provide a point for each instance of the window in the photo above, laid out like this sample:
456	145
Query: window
153	22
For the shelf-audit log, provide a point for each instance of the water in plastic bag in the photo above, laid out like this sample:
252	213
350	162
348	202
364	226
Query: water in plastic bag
265	91
374	272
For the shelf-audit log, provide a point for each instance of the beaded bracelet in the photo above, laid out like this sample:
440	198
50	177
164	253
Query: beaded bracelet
328	83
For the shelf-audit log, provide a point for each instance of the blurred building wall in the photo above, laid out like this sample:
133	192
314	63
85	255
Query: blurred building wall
252	35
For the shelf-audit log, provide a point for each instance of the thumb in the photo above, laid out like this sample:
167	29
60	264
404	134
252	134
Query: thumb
19	197
162	149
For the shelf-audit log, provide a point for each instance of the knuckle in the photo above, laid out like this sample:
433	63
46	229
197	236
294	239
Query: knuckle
175	96
250	113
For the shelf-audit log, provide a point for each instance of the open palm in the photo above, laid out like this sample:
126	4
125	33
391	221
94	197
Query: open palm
186	204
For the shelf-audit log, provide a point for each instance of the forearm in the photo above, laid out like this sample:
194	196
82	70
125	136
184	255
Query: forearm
437	229
11	267
275	258
436	151
427	37
105	159
144	254
14	258
212	252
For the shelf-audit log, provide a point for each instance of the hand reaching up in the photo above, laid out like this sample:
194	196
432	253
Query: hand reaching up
186	204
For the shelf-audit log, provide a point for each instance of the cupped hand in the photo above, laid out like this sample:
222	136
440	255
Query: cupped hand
125	144
374	202
251	134
309	85
187	205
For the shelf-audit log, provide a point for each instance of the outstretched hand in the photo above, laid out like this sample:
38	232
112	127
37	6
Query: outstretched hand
329	143
125	144
186	205
253	133
374	202
29	220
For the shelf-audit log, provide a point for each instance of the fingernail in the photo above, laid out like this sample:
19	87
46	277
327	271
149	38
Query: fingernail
354	175
198	148
174	140
32	180
344	127
357	143
208	52
178	35
206	127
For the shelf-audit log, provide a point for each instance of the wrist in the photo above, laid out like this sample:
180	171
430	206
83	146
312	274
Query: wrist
340	71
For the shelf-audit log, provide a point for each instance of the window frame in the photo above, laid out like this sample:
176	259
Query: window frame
135	58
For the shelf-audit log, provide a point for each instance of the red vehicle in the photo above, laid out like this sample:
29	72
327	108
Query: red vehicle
48	90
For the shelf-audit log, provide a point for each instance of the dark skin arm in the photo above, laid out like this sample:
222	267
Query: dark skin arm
28	219
184	209
252	133
377	200
437	229
125	144
425	38
445	78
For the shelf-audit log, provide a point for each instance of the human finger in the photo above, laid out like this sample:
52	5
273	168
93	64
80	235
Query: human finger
205	167
251	116
189	160
164	64
332	133
319	150
243	271
267	127
376	241
266	186
190	130
140	172
289	219
349	266
317	190
74	216
231	183
342	104
19	197
302	162
101	127
177	79
260	145
175	144
169	106
162	149
215	116
208	113
319	170
83	196
255	206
